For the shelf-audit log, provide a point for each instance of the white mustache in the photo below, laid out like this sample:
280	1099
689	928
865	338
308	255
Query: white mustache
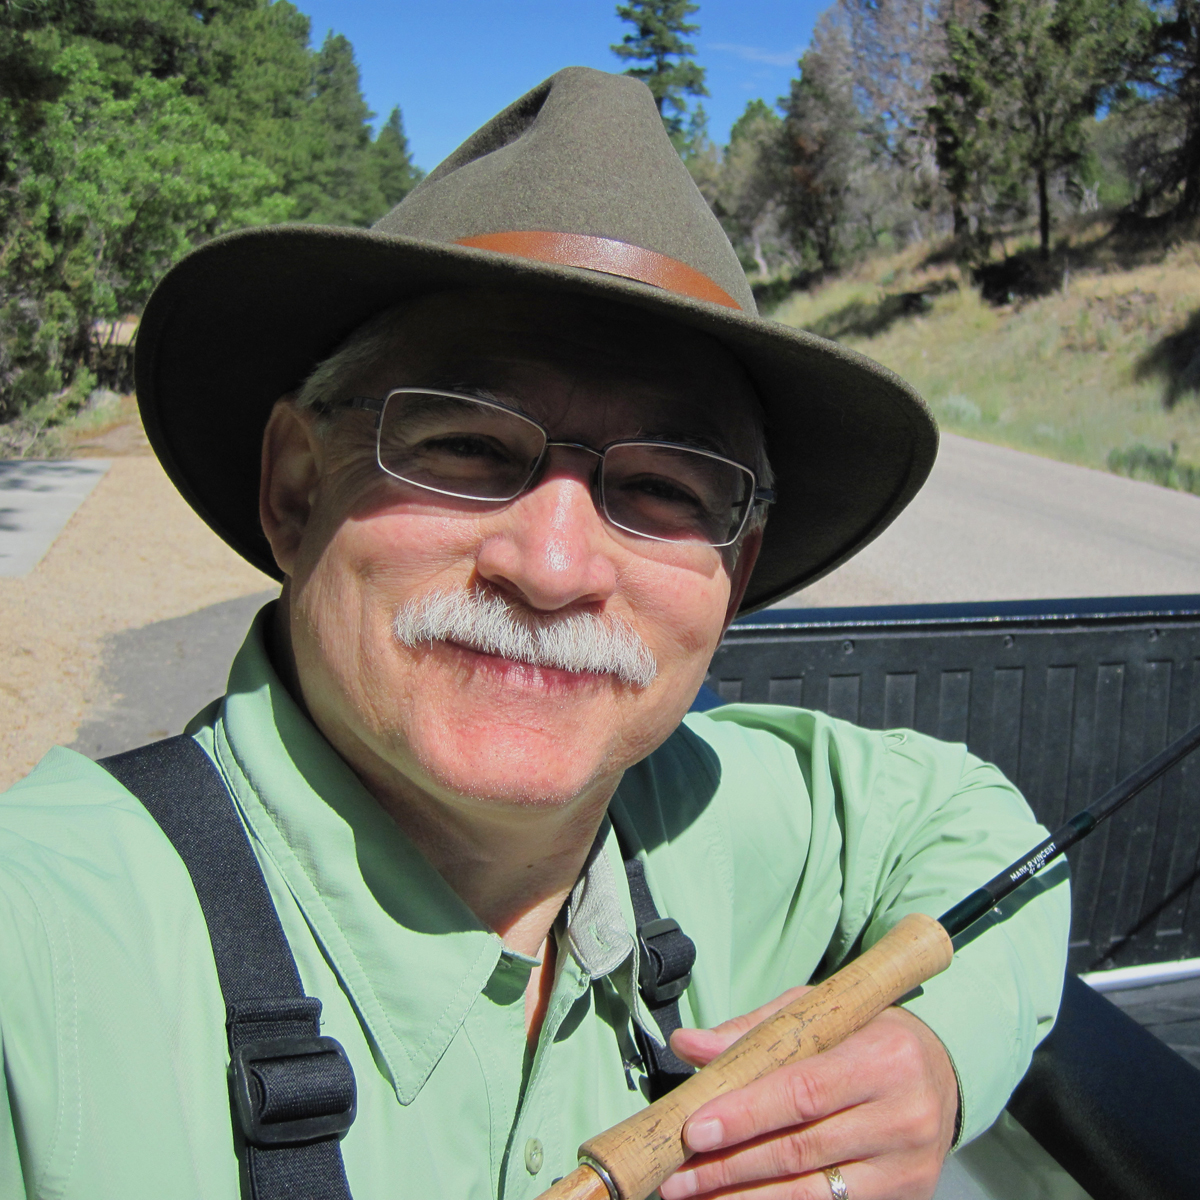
579	642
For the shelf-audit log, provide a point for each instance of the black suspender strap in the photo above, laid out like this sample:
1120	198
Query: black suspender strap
293	1090
665	958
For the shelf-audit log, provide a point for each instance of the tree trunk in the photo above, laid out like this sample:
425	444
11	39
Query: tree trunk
1043	213
759	260
1189	203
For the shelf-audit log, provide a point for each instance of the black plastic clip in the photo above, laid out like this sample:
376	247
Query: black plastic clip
665	958
293	1090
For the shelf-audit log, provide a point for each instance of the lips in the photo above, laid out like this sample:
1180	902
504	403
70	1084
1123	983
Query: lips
520	673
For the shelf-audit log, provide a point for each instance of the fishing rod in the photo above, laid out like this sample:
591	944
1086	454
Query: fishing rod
630	1160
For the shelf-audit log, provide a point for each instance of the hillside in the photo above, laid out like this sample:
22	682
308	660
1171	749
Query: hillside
1104	372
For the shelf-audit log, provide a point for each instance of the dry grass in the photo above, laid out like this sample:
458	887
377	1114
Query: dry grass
1071	376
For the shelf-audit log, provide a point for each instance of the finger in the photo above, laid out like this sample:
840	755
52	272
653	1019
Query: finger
864	1181
792	1153
698	1046
701	1046
797	1094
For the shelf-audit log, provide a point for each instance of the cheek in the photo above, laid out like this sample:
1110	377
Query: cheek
351	577
681	612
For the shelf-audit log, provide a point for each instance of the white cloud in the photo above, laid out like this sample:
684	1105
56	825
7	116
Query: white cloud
775	58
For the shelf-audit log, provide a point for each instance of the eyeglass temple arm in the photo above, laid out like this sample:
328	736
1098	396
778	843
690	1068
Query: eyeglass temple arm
764	495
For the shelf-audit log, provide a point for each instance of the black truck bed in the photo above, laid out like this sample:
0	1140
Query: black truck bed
1065	696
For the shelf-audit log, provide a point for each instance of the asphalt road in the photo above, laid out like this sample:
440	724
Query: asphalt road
991	524
155	679
36	500
997	524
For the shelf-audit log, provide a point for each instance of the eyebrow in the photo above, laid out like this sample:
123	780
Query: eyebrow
697	441
474	392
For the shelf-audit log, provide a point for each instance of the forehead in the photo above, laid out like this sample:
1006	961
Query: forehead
570	360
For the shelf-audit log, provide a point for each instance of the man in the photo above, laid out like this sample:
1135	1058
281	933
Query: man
516	456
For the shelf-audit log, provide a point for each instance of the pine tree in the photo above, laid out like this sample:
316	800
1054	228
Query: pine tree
660	27
133	130
1028	76
972	122
1170	88
336	184
396	173
823	148
742	185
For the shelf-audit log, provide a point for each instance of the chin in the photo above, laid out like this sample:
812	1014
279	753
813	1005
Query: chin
501	782
541	757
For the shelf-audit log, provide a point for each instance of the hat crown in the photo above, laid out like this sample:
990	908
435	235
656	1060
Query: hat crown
583	153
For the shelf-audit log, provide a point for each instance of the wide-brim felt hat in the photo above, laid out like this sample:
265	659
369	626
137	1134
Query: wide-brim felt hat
577	189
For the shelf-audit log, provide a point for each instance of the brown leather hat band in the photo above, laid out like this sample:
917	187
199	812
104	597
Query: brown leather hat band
606	255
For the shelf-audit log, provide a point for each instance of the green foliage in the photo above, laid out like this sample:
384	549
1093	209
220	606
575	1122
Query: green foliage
134	130
100	198
1156	466
333	142
660	27
822	139
1168	112
397	173
742	184
1021	83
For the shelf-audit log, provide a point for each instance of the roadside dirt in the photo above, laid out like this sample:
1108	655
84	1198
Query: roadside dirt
132	554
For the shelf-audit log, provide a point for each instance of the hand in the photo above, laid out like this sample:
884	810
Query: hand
882	1106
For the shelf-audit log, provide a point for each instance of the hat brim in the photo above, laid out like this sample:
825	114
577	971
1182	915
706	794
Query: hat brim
244	319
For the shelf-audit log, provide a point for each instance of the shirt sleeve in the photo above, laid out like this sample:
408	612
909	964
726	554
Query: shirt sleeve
889	823
12	1177
926	823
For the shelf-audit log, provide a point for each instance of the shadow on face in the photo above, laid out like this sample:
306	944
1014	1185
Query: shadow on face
357	544
590	371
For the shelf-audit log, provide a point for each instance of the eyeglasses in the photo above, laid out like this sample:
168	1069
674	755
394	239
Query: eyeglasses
477	449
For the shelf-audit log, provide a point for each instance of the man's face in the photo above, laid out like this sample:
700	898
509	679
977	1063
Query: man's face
447	723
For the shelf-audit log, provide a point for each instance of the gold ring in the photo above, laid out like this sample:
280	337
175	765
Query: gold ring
837	1185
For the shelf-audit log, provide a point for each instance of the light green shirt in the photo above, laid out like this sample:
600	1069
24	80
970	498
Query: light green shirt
781	840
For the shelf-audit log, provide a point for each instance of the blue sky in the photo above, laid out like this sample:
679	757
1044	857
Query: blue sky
452	65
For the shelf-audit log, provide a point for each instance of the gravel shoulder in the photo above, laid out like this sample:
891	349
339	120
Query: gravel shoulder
133	554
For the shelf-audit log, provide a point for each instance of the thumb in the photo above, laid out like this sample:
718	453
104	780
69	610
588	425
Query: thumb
700	1046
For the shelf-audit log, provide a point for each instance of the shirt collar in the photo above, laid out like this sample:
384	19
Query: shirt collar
370	897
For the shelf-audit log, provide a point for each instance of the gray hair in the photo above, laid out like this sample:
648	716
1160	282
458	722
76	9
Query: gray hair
376	337
581	642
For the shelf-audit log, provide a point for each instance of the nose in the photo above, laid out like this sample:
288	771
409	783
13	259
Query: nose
550	548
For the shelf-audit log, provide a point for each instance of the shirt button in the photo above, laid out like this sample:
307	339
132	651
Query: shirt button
533	1156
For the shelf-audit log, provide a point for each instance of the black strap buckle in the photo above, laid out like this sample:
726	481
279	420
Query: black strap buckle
293	1090
665	958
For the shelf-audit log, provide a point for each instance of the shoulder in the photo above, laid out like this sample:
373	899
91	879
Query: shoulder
777	739
69	818
89	883
85	872
769	770
110	1012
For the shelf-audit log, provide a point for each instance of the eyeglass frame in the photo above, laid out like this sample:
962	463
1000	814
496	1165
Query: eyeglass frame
378	405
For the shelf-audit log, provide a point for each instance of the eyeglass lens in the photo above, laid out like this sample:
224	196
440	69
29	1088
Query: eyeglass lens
464	447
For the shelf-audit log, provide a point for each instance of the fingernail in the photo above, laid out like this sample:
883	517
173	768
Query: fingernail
705	1135
680	1185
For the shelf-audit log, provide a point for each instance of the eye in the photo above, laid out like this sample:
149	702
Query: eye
467	446
662	493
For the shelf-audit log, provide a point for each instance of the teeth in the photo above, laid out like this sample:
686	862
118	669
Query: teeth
580	642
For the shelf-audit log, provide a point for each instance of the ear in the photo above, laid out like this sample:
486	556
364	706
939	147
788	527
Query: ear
291	471
739	577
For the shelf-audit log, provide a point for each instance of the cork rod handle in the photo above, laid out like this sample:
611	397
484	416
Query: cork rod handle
640	1152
